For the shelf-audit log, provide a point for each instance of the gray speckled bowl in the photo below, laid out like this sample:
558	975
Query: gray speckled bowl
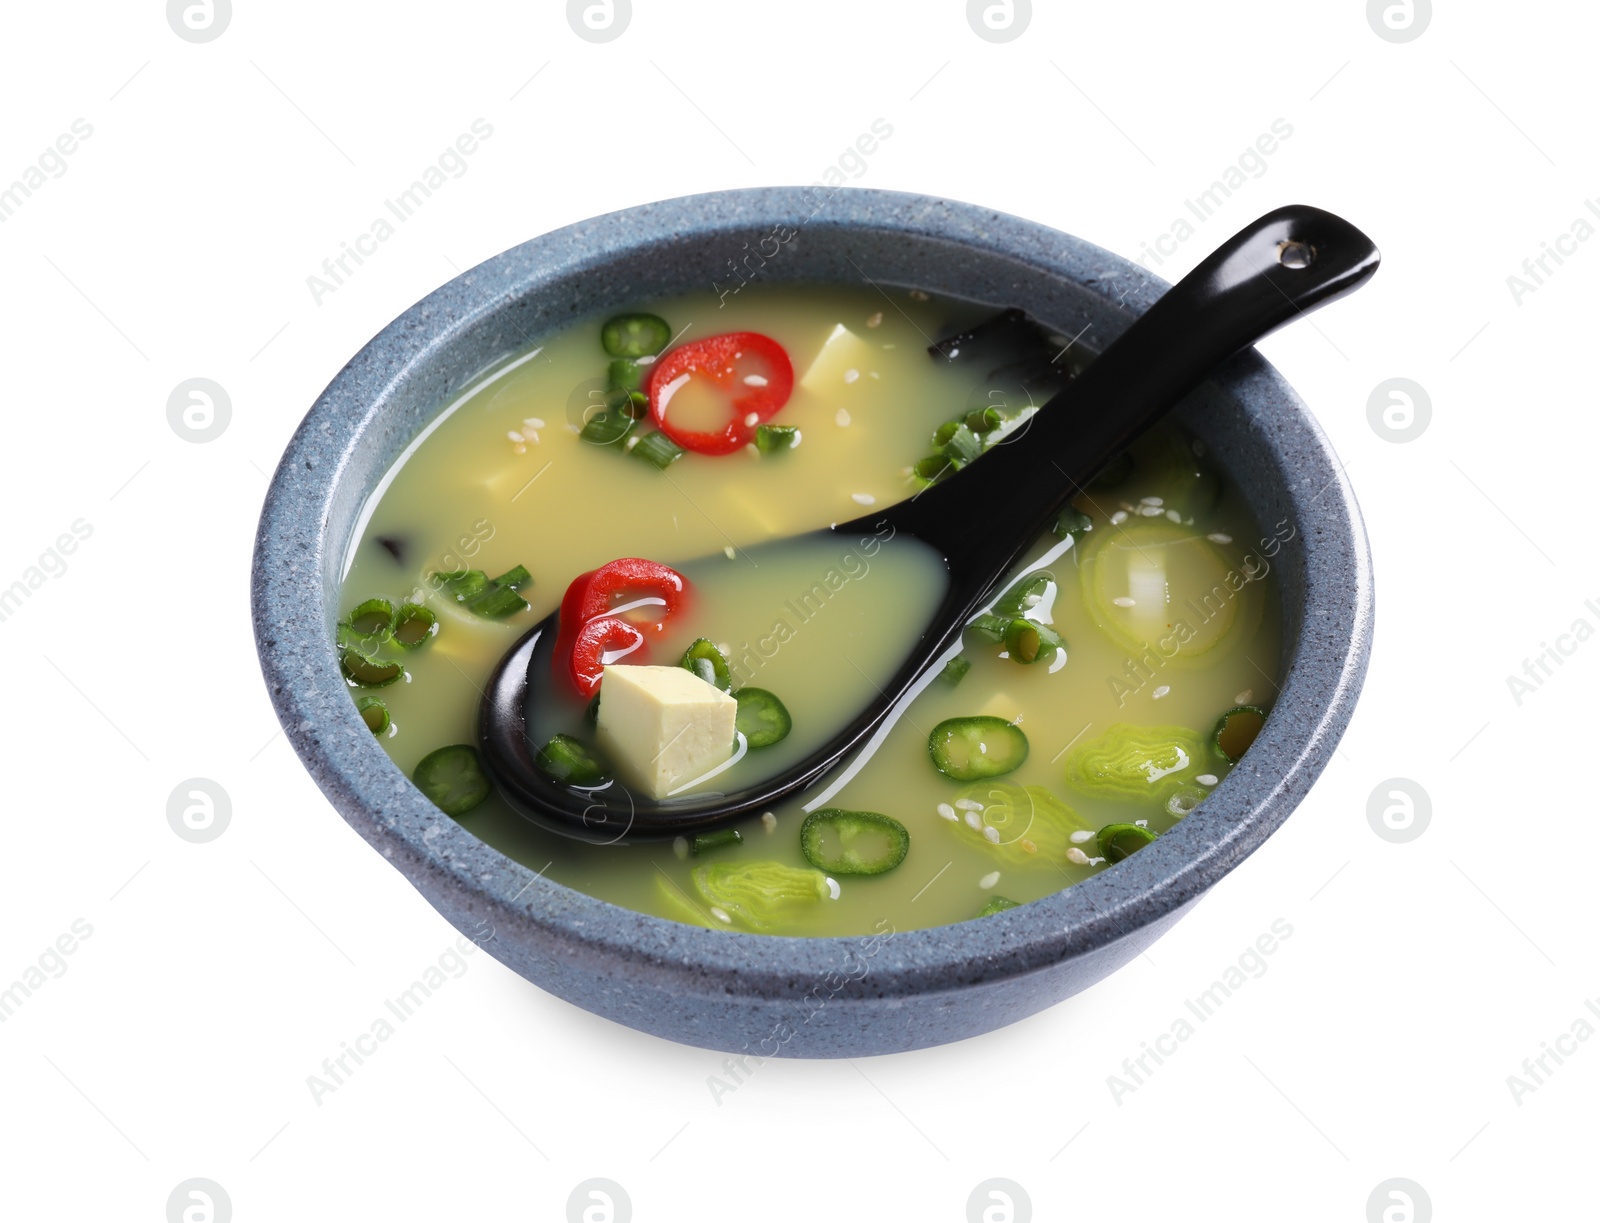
825	997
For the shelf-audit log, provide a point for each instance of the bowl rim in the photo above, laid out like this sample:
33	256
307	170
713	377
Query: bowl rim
462	875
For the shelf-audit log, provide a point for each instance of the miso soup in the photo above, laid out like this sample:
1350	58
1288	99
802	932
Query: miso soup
1112	686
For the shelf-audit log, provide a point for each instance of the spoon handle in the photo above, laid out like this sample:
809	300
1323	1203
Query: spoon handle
1284	264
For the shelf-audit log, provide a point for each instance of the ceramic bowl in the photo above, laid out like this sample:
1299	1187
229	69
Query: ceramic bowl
798	997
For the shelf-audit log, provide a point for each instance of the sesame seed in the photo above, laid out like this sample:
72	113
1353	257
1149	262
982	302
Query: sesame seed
989	880
1080	836
1120	517
769	822
833	888
1160	692
1028	846
1142	823
1123	601
630	443
1217	537
514	435
519	448
1076	856
1243	698
1207	779
992	835
728	552
946	811
974	821
752	419
968	804
754	380
863	498
1174	516
876	319
1150	511
644	360
680	847
1151	501
917	295
850	375
533	422
721	915
1096	861
841	418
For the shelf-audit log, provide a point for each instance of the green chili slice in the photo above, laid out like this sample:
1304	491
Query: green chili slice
1118	841
704	842
1236	730
374	713
971	749
571	762
452	778
853	842
414	626
1023	594
634	335
657	449
761	717
706	661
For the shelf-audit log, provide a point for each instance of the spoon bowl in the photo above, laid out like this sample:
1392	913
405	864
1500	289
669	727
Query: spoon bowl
1286	263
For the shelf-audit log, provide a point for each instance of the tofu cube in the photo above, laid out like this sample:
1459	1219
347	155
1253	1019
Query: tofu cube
845	360
662	727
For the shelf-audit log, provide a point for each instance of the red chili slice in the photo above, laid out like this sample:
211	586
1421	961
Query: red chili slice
655	591
750	370
599	643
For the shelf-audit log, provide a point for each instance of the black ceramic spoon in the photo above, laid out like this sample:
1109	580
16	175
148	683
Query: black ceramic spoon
1286	263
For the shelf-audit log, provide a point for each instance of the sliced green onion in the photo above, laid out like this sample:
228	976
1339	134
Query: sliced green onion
932	467
414	626
1236	730
657	449
853	842
571	762
1027	641
374	713
1023	594
705	660
610	425
452	778
704	842
462	585
1072	522
770	438
955	670
498	602
962	446
1119	841
624	374
634	335
997	904
514	579
761	717
971	749
983	420
373	618
990	627
366	670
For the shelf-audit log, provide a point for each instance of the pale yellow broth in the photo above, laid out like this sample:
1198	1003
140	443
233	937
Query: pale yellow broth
473	496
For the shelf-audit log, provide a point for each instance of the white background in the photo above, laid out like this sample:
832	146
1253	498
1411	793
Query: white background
218	976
